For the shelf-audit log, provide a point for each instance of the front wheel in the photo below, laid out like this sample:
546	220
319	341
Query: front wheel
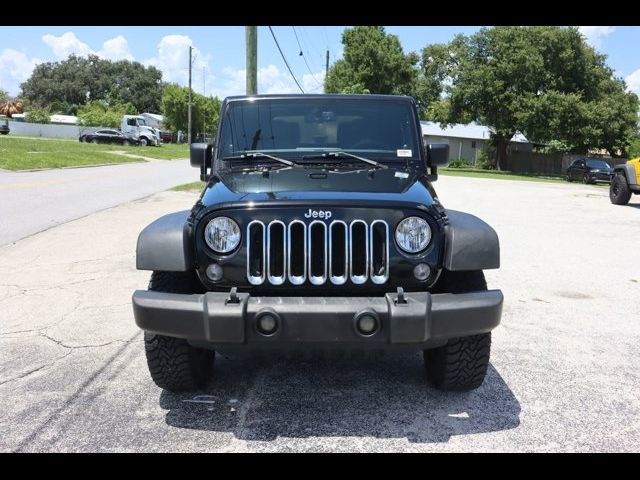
126	143
143	141
568	178
586	179
619	191
461	364
174	364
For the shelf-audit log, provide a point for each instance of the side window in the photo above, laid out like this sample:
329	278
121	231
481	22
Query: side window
132	122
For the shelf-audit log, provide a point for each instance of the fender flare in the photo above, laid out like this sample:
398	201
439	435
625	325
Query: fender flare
470	243
165	244
628	171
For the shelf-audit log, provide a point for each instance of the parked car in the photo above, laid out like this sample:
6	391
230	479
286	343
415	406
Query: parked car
4	128
109	136
589	170
167	137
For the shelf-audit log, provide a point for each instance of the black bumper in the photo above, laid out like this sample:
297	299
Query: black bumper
423	319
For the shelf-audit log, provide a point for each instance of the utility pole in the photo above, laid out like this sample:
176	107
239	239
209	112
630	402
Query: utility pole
326	68
204	109
189	129
251	35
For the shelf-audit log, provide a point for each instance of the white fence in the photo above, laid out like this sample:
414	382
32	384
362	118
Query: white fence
49	130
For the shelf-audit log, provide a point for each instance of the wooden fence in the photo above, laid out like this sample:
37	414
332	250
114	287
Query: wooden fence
547	163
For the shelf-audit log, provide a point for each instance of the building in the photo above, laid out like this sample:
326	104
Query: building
467	141
64	119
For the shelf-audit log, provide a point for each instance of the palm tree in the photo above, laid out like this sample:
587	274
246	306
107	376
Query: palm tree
10	107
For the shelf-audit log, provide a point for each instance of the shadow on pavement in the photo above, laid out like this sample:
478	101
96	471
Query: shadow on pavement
383	398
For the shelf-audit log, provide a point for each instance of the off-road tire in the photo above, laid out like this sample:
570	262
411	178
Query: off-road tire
619	191
175	365
461	364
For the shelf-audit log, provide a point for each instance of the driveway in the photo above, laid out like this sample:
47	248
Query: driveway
564	374
34	201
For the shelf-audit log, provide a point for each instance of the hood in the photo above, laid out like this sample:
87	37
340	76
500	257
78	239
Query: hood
306	185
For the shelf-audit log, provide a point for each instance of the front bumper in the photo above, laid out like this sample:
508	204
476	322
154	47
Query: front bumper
423	318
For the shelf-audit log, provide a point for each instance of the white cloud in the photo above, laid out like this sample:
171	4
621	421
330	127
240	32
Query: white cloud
270	80
595	35
15	68
116	48
633	81
173	60
66	44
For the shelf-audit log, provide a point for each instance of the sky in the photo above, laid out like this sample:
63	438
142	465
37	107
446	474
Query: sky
219	52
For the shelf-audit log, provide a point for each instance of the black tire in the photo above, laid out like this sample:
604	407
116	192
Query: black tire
586	179
94	140
567	177
143	142
619	191
175	365
462	363
126	143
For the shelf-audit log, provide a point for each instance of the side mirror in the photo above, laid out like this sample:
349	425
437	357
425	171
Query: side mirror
200	154
437	154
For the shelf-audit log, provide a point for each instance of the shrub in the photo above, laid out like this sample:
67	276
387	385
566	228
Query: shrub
38	115
460	163
484	161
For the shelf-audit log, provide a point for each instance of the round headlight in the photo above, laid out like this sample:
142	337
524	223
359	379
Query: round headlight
413	234
222	234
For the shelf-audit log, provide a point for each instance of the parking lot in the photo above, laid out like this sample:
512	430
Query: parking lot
564	373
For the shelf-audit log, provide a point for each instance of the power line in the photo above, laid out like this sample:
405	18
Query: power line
285	60
305	58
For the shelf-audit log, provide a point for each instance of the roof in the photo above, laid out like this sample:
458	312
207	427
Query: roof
70	119
460	130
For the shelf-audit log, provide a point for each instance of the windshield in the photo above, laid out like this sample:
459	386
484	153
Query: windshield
294	128
597	164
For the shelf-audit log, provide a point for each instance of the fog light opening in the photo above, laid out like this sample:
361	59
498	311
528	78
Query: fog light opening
214	272
422	272
267	324
367	324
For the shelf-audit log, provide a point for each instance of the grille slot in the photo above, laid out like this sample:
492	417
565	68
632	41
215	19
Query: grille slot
256	252
338	252
317	252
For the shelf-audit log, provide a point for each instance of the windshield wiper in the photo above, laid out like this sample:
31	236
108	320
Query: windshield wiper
242	156
347	155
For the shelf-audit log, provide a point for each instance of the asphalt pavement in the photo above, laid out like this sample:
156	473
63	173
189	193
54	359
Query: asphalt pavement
564	373
31	202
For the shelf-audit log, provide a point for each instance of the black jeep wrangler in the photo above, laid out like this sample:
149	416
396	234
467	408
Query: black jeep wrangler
319	228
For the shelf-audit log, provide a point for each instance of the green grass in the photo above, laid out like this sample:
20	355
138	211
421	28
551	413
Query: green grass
190	187
31	153
503	175
470	172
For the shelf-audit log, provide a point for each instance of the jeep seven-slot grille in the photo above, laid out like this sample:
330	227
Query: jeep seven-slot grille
317	252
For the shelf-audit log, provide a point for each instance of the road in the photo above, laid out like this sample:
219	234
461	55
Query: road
564	373
31	202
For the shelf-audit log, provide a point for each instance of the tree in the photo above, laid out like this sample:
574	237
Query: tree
545	82
4	95
205	111
99	114
374	62
65	85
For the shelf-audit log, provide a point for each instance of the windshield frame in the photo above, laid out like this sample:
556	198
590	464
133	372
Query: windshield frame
402	162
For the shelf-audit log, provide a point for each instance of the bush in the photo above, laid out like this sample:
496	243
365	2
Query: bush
38	115
460	163
484	161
